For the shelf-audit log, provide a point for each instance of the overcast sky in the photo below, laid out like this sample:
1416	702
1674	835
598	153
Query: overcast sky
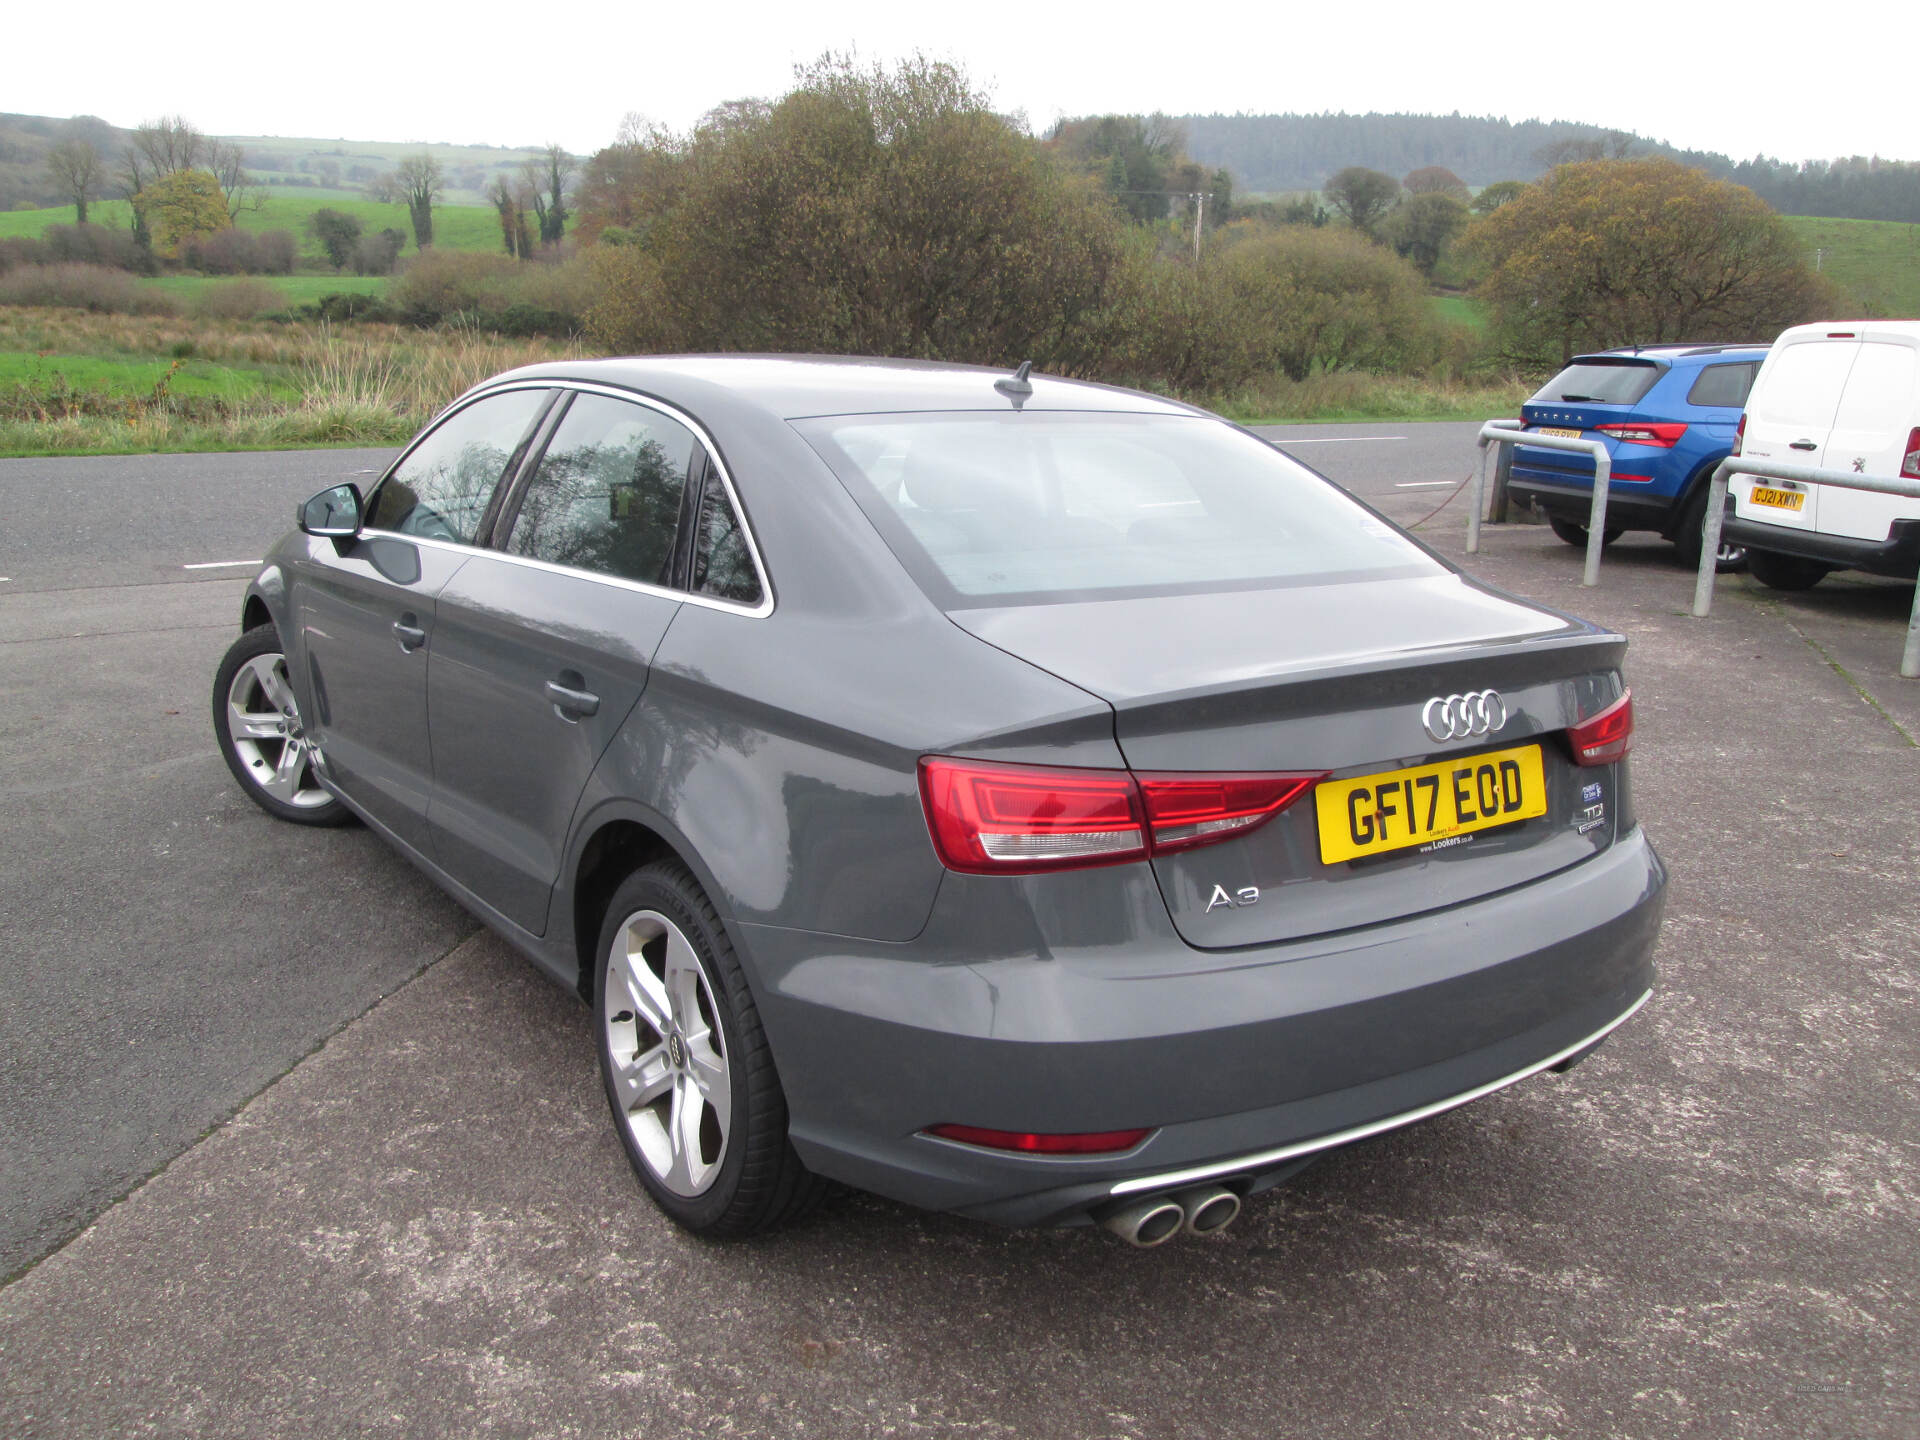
1793	81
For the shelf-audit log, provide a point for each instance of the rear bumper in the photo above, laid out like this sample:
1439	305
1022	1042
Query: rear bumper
1898	555
1246	1063
1629	506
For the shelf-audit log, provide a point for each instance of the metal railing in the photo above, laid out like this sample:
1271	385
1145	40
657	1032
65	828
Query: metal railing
1805	475
1496	433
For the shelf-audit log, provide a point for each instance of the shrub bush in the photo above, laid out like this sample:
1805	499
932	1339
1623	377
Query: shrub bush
339	306
94	245
245	299
479	289
84	287
376	254
18	250
241	252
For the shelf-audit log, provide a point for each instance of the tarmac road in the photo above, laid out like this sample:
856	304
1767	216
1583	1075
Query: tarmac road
426	1227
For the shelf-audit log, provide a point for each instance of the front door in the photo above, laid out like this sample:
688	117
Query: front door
364	610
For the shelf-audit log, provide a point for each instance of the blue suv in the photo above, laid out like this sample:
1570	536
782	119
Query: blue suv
1667	414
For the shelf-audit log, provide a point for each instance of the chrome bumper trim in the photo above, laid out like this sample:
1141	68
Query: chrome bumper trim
1169	1179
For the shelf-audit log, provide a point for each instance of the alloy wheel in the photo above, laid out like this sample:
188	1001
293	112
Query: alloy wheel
263	722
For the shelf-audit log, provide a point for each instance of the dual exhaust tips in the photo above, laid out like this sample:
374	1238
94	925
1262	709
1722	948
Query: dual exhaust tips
1201	1210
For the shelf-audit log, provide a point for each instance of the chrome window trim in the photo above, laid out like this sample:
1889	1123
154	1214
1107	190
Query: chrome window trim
667	592
1173	1179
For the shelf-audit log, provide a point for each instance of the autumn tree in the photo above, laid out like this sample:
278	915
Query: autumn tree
168	145
1612	252
870	212
1492	197
1421	228
77	167
1133	156
1435	180
181	207
1362	196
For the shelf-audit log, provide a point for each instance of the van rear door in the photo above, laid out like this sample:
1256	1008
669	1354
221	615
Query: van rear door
1789	417
1878	411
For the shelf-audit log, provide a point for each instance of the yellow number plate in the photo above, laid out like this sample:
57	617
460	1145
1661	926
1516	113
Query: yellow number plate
1779	499
1372	814
1553	430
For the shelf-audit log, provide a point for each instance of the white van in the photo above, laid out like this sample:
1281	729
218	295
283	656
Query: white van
1841	395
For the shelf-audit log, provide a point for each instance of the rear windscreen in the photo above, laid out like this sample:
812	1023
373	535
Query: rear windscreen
1005	508
1599	381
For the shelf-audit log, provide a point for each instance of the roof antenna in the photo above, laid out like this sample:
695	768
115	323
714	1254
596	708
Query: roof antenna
1016	387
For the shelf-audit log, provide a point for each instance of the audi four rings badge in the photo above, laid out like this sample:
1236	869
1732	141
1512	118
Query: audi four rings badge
1456	717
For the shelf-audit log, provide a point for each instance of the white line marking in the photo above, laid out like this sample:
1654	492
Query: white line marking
219	564
1339	440
1421	484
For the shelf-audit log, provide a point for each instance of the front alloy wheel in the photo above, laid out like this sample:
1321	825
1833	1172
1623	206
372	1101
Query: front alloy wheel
262	737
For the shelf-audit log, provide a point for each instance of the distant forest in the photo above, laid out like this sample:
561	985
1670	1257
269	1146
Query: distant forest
1275	153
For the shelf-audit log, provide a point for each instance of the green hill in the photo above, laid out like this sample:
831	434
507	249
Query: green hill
1877	262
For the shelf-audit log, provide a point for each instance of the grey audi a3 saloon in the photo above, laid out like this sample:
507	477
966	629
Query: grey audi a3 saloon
1014	796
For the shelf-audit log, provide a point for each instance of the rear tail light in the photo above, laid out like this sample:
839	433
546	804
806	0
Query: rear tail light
989	818
1740	433
1102	1142
1663	434
1910	462
1605	737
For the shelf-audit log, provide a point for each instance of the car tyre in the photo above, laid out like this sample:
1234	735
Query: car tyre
1785	572
689	1076
1689	532
262	736
1577	534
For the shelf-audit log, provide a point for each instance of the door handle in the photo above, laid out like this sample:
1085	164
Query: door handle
411	637
1803	445
572	704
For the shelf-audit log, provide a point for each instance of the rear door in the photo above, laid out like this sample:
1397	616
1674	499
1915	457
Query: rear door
1790	416
545	643
365	609
1878	410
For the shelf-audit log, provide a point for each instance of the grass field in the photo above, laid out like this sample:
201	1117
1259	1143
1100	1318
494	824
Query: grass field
1876	261
118	377
455	227
1460	310
298	289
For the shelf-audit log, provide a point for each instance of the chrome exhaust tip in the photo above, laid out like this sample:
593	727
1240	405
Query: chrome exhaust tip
1207	1209
1146	1223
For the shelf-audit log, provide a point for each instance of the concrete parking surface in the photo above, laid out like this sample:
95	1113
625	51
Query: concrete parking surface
427	1227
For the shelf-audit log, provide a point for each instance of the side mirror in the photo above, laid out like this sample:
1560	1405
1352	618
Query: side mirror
333	513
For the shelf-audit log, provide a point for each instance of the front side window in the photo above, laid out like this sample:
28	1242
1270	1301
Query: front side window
441	489
606	496
1000	508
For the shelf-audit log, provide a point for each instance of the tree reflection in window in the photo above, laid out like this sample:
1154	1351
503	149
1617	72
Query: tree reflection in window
440	491
606	497
722	564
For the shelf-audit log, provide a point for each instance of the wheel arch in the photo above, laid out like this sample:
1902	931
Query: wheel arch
615	841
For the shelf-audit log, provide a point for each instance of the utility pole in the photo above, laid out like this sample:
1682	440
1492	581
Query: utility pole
1199	221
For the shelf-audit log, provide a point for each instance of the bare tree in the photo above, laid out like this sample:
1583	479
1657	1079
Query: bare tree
504	196
228	164
169	144
76	166
416	184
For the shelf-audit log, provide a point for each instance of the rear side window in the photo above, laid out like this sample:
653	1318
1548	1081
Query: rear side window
722	563
441	489
1803	384
1723	385
1599	381
998	508
606	496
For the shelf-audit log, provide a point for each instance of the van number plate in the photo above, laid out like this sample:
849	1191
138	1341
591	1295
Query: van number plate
1779	499
1373	814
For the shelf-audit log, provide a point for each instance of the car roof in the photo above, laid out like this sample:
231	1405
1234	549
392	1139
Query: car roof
1675	353
795	386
